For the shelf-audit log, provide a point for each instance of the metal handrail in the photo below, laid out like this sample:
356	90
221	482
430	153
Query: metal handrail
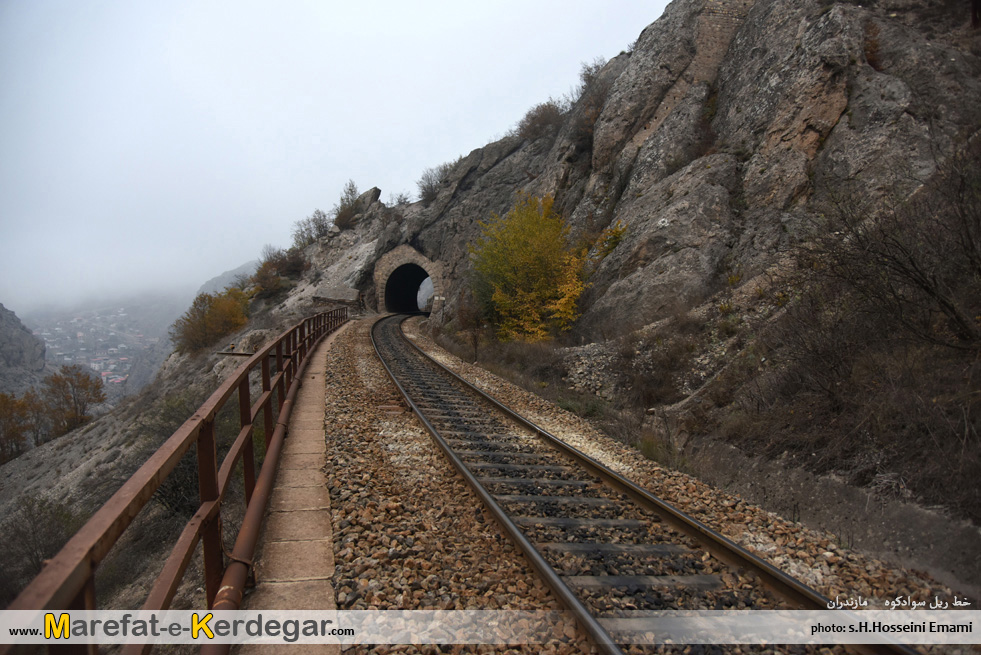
67	580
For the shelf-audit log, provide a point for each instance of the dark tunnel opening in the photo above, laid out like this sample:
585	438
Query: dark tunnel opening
402	288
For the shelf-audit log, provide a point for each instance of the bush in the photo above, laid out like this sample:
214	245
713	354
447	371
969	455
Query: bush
609	239
346	209
315	226
210	317
432	179
589	80
914	263
540	119
399	199
179	490
275	265
527	278
429	185
589	95
872	367
34	531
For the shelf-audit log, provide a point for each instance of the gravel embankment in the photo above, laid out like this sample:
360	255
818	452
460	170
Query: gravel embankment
408	534
811	556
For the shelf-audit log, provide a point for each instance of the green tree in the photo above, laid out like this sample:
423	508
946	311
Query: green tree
527	277
69	394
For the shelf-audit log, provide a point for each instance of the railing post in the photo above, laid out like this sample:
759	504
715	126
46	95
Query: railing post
280	387
245	419
85	600
208	489
267	411
292	356
303	341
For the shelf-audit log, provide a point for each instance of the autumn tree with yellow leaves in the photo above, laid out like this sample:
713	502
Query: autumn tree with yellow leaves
210	317
527	276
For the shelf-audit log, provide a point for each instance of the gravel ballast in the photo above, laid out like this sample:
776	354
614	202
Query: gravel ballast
408	533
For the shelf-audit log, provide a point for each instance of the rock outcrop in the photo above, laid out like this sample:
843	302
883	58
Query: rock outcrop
715	141
21	354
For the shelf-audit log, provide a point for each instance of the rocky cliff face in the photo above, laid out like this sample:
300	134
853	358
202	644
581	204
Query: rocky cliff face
21	354
715	141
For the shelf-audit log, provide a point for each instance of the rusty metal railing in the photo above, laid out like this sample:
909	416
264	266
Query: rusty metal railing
68	580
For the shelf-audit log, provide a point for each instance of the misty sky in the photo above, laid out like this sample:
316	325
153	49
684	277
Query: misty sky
156	144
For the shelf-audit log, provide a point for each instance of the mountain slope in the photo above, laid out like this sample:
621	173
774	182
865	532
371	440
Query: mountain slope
21	355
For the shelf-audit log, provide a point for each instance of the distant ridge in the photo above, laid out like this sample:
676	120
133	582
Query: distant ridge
227	278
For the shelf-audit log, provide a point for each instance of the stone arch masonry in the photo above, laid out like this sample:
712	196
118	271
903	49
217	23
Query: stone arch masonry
400	256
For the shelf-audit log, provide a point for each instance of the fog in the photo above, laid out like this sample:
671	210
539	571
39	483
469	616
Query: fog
155	145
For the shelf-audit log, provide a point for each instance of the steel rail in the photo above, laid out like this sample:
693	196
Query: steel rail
566	596
790	589
67	580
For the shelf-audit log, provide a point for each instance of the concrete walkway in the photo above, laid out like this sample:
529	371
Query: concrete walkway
295	559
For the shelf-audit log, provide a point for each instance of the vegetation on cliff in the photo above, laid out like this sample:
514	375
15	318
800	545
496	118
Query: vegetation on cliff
62	404
210	317
527	277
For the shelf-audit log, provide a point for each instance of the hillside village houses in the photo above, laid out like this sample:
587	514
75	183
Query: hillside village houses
104	341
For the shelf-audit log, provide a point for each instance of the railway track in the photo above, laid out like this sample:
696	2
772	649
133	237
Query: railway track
608	549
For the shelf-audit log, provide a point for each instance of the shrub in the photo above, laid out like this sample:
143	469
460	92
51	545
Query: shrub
588	79
346	209
470	321
914	263
609	239
432	179
540	119
399	199
526	275
267	282
34	530
275	265
210	317
589	95
288	263
872	366
179	490
429	185
311	228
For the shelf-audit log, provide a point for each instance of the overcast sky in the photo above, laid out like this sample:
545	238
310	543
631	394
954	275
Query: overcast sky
147	145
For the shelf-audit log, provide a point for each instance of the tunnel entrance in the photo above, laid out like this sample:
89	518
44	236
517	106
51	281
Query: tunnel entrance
402	289
408	281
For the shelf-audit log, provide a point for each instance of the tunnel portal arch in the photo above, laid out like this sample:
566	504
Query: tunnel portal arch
398	275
